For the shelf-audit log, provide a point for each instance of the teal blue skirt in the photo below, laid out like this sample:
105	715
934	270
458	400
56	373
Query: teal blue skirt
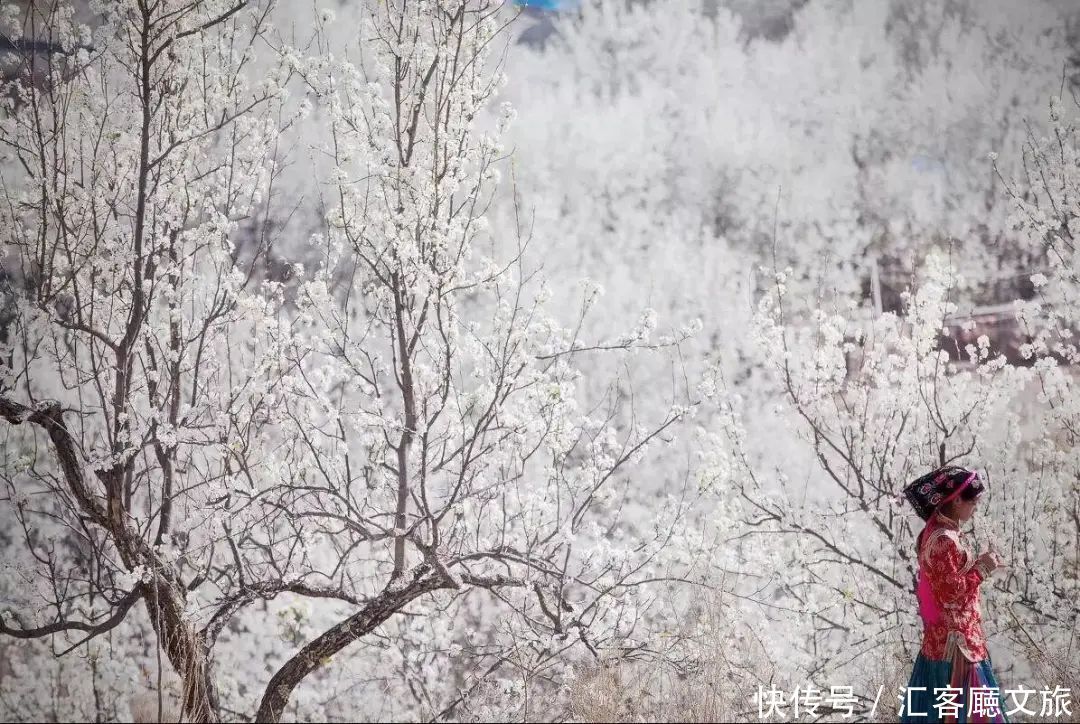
928	675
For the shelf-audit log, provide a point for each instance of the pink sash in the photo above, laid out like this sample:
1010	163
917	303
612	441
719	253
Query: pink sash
928	607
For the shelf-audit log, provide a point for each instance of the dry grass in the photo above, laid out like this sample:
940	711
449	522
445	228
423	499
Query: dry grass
1051	671
720	687
719	682
714	681
144	707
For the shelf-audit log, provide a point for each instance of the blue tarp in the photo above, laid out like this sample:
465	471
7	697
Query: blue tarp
553	5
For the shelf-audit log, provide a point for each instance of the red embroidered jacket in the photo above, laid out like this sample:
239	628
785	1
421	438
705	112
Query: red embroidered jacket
954	577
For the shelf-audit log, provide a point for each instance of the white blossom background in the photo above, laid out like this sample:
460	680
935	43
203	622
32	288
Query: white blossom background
575	378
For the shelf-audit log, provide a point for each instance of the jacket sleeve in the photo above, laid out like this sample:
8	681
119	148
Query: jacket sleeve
954	579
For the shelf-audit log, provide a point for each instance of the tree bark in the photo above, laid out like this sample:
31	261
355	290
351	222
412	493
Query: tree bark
165	596
316	653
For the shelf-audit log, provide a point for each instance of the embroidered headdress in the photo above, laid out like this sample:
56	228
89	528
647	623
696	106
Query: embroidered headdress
938	487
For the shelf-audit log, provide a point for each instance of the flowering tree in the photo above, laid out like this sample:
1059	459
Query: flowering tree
387	436
138	347
433	417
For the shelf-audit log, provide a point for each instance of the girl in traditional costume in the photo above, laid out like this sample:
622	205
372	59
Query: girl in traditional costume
952	680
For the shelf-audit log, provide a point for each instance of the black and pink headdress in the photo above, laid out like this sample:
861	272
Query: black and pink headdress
938	487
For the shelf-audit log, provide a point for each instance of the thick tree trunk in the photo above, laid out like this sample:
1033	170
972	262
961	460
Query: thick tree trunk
395	597
164	595
186	650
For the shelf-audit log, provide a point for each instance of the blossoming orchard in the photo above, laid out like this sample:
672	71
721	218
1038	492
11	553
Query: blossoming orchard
470	360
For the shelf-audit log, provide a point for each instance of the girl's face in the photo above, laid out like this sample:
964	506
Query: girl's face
962	510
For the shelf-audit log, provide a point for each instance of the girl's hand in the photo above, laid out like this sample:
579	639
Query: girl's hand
990	561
